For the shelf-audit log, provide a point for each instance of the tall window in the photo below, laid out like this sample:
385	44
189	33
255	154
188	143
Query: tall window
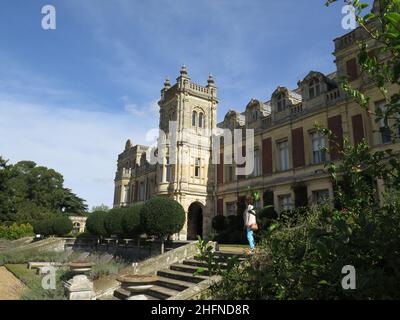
283	149
384	129
197	168
230	176
321	196
285	203
168	170
194	118
281	102
315	88
257	163
231	208
141	191
201	120
318	143
126	194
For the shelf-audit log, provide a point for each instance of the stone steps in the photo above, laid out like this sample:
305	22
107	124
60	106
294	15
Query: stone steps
200	264
174	284
189	269
161	292
176	279
179	275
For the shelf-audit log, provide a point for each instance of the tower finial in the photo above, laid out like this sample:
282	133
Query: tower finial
167	83
211	81
183	70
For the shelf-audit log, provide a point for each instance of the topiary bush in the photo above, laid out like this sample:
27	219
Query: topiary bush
43	227
113	221
61	226
131	221
162	217
219	223
95	224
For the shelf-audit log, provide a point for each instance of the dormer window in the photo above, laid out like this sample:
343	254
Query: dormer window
315	88
281	102
201	120
255	115
194	118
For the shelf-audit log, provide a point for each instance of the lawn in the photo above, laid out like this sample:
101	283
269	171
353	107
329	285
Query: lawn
28	276
33	282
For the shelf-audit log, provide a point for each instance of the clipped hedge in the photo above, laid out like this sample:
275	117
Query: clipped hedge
61	226
113	221
219	223
131	221
162	217
95	224
58	226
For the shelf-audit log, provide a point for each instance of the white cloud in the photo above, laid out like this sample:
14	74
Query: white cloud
81	145
151	109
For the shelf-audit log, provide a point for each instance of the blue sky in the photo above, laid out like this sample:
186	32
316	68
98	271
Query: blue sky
70	97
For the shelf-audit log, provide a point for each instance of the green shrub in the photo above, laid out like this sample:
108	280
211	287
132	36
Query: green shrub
219	223
113	221
58	226
162	217
95	224
266	217
43	227
61	226
15	231
102	268
131	221
235	222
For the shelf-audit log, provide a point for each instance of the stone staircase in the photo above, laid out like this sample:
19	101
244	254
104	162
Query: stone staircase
179	277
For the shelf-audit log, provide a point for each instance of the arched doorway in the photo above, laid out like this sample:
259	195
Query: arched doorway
195	221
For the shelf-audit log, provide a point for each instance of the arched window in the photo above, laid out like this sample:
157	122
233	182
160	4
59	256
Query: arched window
315	88
281	102
201	120
194	118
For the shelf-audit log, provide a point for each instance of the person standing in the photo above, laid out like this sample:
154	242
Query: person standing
250	223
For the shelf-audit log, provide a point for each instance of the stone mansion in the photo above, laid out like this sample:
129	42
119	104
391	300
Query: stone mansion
288	159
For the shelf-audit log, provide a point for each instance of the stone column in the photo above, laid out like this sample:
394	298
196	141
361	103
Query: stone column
80	288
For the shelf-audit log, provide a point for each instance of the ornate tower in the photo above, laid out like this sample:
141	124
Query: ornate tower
188	114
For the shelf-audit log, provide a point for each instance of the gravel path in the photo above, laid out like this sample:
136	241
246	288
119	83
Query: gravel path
10	287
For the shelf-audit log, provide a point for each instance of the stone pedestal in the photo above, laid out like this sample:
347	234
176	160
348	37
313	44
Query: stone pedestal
80	288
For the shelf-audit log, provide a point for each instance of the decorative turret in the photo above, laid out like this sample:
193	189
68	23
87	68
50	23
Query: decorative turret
167	84
210	81
184	70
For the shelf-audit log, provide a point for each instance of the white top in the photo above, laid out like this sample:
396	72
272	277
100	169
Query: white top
249	216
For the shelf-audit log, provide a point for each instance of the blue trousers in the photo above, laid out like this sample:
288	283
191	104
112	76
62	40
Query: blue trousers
250	238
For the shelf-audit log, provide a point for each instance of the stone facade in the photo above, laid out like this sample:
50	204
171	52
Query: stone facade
79	223
289	164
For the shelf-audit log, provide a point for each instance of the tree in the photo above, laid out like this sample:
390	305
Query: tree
6	192
101	207
29	192
61	226
162	217
95	224
131	221
113	222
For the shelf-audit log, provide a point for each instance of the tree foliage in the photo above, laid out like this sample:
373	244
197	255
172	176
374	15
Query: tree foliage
95	224
29	192
113	221
131	221
162	217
